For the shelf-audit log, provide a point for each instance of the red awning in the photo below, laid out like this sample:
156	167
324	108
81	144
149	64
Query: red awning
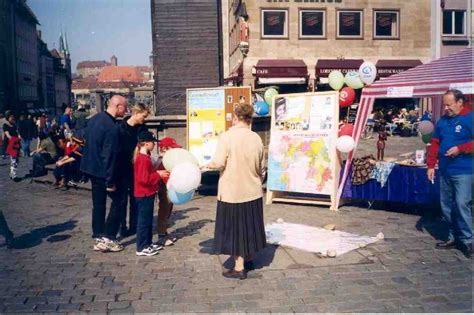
281	68
387	67
325	66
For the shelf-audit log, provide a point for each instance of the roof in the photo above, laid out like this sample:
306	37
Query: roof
278	63
93	84
429	79
120	73
26	10
55	53
92	64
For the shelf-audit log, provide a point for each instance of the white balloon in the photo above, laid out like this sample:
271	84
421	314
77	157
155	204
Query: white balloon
367	72
353	80
345	144
185	177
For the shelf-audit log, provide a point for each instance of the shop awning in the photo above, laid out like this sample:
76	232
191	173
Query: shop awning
325	66
281	71
387	67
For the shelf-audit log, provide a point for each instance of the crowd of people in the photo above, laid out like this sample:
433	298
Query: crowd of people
402	121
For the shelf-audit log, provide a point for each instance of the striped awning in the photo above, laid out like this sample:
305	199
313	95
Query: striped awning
432	80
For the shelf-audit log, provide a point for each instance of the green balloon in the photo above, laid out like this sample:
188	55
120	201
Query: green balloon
336	80
269	95
426	138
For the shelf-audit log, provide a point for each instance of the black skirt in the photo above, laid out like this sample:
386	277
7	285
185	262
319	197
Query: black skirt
240	230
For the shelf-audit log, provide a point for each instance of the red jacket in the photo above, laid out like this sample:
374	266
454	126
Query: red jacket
146	179
13	148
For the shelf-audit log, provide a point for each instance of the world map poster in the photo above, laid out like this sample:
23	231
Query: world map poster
302	144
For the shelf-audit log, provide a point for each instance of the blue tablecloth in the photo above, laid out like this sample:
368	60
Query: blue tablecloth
405	184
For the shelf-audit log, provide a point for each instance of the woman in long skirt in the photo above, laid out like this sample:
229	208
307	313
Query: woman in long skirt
239	230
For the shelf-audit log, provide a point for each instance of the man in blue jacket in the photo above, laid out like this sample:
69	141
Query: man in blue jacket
452	147
98	162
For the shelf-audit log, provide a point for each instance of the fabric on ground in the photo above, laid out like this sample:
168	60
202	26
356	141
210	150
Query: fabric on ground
313	239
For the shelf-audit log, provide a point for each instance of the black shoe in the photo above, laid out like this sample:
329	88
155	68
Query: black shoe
446	245
249	265
124	232
466	249
233	274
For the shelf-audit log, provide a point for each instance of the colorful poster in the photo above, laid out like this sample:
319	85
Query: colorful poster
302	144
206	121
209	113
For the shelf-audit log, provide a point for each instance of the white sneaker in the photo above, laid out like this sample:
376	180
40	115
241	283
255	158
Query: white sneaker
156	246
112	246
149	251
100	245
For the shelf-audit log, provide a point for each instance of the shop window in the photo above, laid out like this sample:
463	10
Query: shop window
274	23
312	24
386	24
454	22
349	23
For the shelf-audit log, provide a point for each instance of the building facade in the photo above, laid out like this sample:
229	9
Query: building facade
8	87
46	85
85	69
296	43
187	50
452	27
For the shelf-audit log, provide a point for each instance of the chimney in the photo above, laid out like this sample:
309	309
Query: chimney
113	61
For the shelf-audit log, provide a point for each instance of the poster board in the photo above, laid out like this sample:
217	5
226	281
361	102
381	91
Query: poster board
302	161
209	113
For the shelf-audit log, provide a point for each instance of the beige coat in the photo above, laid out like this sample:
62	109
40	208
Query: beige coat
239	155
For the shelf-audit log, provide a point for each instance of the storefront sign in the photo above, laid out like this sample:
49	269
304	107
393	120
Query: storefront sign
400	91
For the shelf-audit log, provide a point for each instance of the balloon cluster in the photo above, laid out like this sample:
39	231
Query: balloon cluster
354	80
185	175
262	108
426	128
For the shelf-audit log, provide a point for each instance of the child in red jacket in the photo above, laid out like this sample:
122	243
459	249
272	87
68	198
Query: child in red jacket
146	183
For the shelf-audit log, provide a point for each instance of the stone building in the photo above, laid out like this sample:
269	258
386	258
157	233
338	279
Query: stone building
187	50
85	69
295	44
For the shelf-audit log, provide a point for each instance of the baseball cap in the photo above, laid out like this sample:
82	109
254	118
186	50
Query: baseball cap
146	136
168	142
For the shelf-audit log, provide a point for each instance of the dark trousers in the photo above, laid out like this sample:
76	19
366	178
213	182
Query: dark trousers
4	229
145	222
100	226
126	185
165	206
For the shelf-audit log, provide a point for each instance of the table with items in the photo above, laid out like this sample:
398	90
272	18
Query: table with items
394	182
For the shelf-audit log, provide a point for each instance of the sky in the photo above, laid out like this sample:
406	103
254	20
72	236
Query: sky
97	29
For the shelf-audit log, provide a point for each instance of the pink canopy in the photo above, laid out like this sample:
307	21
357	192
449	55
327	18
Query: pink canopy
430	80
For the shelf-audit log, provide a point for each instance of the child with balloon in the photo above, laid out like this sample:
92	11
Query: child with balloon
146	185
165	206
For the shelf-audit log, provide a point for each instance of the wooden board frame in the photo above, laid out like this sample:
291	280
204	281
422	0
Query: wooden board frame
331	200
232	95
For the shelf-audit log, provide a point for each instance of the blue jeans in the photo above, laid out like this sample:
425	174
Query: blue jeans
145	222
25	146
456	200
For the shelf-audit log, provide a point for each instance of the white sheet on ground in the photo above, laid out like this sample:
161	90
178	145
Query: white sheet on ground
313	239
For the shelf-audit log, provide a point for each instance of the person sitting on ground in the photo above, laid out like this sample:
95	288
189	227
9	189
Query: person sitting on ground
44	155
67	167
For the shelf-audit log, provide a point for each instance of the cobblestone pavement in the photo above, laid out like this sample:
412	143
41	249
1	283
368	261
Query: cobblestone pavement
54	269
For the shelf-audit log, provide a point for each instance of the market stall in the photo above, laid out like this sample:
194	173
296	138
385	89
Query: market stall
429	80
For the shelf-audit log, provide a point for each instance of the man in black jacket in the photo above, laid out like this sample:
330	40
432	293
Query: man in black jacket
99	162
129	130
